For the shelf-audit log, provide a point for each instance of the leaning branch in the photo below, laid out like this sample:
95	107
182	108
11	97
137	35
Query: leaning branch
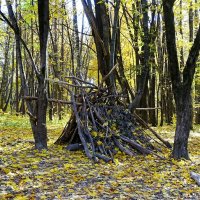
83	81
156	108
142	122
30	98
69	84
107	75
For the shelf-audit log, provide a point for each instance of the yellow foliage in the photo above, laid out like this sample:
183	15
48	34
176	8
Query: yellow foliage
20	197
94	133
68	166
99	143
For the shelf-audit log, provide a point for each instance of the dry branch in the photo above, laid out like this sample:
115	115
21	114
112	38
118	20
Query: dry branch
99	126
71	85
107	75
148	108
196	177
142	122
50	100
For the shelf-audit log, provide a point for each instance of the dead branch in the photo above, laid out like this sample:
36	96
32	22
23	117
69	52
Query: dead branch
106	77
29	98
69	84
99	128
32	118
147	108
196	177
83	81
142	122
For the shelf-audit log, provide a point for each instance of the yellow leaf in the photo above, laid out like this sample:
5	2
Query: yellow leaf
20	197
99	143
94	134
68	166
116	161
92	193
109	112
12	184
114	183
6	170
34	167
127	189
101	135
181	163
54	170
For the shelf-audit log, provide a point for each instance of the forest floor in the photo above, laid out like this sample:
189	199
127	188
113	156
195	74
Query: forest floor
59	174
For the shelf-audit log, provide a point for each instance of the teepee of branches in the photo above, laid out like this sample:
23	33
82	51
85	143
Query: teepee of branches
100	124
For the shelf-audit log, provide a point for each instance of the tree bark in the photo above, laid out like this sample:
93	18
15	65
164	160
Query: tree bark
100	25
142	78
76	41
181	88
5	72
41	130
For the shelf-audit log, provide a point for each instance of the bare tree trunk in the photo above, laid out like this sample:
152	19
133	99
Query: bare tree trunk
121	73
197	83
181	33
5	73
40	134
100	25
152	74
181	88
144	59
9	97
76	41
113	44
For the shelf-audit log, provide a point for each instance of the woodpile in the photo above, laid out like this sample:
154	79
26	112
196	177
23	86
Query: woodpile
101	125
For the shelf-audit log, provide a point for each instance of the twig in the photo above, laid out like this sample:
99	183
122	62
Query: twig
142	122
69	84
107	75
83	81
196	177
51	100
135	145
147	108
103	157
123	149
80	128
32	118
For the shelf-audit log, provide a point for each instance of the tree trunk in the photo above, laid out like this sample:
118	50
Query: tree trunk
76	41
142	77
113	44
181	86
40	133
100	25
183	125
5	72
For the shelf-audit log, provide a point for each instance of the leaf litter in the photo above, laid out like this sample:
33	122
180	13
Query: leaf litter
57	173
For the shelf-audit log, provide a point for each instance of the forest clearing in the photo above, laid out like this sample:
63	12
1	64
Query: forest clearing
99	99
59	174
